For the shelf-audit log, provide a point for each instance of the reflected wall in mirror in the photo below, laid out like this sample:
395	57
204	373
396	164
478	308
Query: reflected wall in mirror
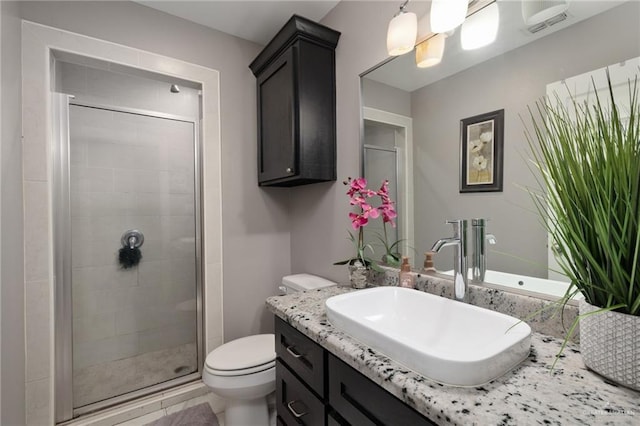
511	74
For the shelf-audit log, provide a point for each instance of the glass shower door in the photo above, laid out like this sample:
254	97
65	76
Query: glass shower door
135	323
380	163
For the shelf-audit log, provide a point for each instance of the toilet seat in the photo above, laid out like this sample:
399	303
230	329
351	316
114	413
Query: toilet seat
247	355
241	372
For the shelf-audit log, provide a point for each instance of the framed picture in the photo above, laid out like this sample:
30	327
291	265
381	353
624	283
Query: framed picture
481	152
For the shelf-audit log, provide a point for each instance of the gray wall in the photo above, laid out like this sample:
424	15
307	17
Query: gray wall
12	340
386	98
255	221
512	81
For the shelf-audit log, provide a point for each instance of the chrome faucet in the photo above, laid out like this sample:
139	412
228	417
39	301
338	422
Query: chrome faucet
479	259
459	243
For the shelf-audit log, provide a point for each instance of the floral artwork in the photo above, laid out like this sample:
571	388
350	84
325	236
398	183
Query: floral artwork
481	152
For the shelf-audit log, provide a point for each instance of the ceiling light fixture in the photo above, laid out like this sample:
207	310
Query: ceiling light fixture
430	51
402	32
446	15
481	28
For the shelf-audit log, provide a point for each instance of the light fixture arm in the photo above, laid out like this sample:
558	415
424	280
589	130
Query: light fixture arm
402	6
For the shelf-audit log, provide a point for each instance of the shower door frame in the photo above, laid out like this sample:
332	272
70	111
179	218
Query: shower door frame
404	167
63	312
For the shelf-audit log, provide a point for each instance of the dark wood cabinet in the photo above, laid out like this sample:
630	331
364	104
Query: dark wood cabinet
313	387
295	76
361	402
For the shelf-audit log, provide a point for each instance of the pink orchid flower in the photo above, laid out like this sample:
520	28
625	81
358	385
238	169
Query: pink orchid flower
388	214
368	211
357	221
386	208
356	185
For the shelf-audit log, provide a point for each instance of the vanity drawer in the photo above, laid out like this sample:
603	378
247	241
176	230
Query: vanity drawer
303	356
361	402
295	403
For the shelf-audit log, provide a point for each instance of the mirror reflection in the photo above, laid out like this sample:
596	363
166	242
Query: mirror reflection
412	121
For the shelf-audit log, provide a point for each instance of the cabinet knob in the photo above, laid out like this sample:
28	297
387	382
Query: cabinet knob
289	170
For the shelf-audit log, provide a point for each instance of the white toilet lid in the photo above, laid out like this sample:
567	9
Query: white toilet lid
243	353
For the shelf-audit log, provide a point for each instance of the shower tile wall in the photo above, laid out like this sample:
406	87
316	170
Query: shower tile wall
143	181
130	172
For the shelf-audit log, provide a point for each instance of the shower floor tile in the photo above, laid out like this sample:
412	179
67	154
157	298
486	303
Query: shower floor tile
109	379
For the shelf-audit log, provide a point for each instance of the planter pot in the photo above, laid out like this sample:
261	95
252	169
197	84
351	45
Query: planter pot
358	274
610	345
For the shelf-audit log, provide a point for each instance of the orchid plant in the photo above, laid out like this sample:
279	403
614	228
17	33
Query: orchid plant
359	196
388	212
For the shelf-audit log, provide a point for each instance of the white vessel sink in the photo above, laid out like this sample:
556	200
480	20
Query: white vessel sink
448	341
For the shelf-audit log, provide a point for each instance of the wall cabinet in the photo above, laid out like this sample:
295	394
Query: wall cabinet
295	76
313	387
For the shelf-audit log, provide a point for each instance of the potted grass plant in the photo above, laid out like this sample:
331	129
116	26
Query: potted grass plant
586	156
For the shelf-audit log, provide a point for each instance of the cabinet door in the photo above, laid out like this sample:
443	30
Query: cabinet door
295	403
278	119
361	402
305	357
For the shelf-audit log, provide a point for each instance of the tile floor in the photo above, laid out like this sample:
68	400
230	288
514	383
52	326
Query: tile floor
148	418
129	374
208	398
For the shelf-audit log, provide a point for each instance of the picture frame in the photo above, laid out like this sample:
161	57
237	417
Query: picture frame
481	152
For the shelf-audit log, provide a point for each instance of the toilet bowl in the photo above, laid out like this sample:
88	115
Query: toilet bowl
243	371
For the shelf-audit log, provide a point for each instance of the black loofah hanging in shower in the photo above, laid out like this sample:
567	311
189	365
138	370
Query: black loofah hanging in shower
129	257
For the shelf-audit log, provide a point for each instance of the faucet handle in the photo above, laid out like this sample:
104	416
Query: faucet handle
479	222
491	239
457	222
459	226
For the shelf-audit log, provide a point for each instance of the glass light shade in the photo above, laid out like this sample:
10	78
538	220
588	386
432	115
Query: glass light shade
402	33
536	11
481	28
446	15
429	52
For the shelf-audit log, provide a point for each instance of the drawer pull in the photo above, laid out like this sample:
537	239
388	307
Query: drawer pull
293	352
294	412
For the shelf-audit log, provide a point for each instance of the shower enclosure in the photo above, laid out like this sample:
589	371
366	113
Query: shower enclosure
128	292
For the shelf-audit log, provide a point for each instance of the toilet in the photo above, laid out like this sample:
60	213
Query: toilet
243	371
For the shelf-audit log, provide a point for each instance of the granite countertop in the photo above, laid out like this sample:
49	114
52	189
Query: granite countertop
529	394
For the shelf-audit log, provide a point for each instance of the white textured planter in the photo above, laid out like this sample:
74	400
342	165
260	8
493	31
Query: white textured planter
610	345
358	274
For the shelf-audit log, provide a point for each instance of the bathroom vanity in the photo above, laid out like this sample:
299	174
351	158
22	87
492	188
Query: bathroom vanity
342	381
312	384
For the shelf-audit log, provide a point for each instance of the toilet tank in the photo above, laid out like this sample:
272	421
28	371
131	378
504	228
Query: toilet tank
302	282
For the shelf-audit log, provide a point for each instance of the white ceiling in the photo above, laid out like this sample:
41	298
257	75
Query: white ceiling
254	20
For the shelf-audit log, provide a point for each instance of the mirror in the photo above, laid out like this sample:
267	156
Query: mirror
510	74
